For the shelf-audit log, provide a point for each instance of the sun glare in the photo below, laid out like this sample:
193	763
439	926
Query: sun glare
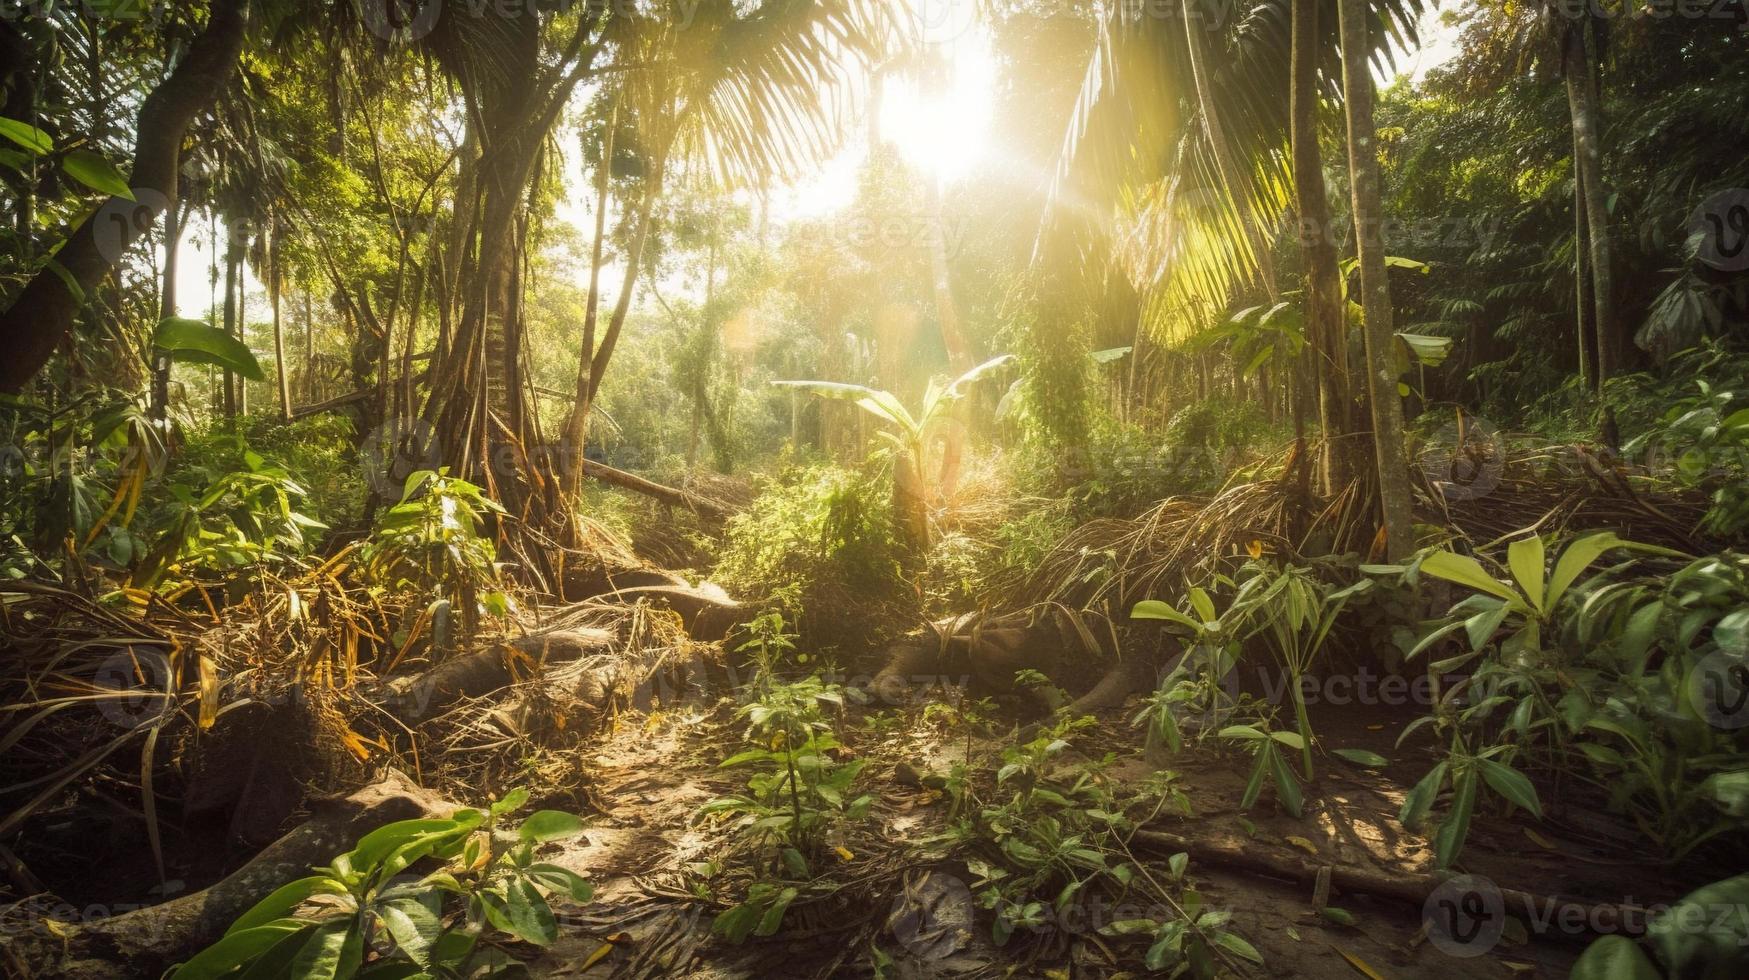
941	124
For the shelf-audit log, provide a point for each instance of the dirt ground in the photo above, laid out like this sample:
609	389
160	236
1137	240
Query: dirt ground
652	912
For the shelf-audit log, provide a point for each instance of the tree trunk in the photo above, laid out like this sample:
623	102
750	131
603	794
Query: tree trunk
1581	282
1580	68
234	404
1326	332
166	309
1387	404
273	284
577	424
43	312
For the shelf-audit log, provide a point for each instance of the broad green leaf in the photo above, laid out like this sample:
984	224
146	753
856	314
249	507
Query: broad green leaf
95	172
1613	958
334	951
1448	840
1361	757
1465	571
1287	788
1155	609
237	948
1524	558
282	900
1419	800
27	136
1234	943
1704	935
1511	784
193	342
564	880
413	925
545	825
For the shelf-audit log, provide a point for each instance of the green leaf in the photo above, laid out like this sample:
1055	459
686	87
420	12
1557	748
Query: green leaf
1361	757
1704	935
1419	800
193	342
545	825
772	919
1448	840
27	136
335	950
513	800
1236	944
1287	788
95	172
1511	784
1524	558
414	926
1465	571
562	880
1155	609
1613	958
237	948
282	900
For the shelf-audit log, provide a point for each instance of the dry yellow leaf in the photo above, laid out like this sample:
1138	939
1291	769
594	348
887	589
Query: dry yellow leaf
1303	844
1360	966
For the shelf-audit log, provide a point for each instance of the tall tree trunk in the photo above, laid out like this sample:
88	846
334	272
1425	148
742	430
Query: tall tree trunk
166	309
1325	325
43	312
1363	168
1581	281
1580	64
273	288
1196	37
310	390
233	259
577	424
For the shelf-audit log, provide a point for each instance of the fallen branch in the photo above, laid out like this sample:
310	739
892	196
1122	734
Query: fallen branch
1549	915
667	495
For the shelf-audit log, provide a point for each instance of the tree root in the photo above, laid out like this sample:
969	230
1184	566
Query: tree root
1552	916
146	941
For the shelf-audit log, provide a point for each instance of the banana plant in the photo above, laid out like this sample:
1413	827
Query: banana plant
910	433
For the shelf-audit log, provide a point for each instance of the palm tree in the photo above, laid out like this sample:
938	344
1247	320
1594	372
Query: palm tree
1363	178
735	94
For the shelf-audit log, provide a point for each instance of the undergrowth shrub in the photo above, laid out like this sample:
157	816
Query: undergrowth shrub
822	538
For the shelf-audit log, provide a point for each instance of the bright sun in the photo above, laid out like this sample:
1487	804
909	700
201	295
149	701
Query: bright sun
942	124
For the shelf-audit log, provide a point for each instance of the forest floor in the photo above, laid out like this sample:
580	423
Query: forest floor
652	913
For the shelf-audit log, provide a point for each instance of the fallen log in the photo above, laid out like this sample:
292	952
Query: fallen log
147	941
656	491
1548	915
471	675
